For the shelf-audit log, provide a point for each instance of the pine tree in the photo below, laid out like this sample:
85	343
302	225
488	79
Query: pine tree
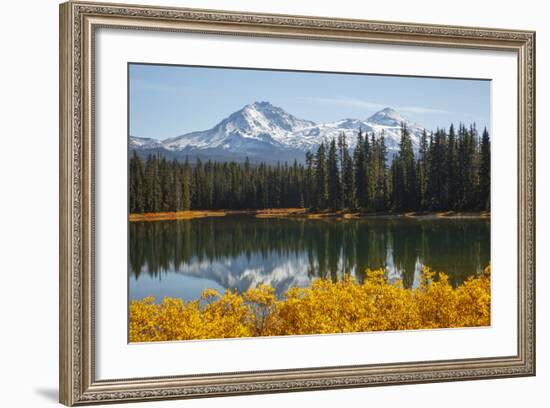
136	185
475	153
407	196
262	192
453	184
398	188
186	185
321	177
423	170
466	151
198	185
309	188
334	182
485	172
347	174
152	183
437	173
208	187
165	184
381	193
372	169
360	171
175	192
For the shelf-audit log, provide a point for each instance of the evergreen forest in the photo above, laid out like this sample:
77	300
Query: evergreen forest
450	171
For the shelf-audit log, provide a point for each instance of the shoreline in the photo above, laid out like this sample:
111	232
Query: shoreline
306	214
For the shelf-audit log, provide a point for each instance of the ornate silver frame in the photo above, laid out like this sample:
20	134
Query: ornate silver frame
78	22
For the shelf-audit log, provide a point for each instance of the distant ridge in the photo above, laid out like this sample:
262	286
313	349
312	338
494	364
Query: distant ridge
267	133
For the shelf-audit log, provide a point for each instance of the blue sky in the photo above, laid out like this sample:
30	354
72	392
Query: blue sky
168	101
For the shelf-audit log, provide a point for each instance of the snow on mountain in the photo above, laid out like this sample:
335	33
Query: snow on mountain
257	122
387	117
264	132
145	143
388	121
312	136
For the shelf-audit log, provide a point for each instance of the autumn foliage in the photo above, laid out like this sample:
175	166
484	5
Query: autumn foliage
324	307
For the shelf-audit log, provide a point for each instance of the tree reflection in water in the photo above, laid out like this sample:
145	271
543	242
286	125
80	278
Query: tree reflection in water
241	251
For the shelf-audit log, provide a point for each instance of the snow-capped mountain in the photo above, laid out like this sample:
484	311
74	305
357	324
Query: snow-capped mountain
263	132
257	122
389	122
386	122
145	143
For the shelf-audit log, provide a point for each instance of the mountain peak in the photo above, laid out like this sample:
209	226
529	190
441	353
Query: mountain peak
388	117
265	132
262	107
262	104
264	117
388	111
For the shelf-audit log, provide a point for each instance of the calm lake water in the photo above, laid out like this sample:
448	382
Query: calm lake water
181	258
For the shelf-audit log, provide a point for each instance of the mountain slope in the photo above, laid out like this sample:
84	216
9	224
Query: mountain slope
263	132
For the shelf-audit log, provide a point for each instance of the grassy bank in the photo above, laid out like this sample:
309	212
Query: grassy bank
305	213
324	307
179	215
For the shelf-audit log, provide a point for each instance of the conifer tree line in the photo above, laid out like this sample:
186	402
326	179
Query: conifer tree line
451	171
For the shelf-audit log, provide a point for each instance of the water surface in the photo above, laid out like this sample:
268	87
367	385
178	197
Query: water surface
181	258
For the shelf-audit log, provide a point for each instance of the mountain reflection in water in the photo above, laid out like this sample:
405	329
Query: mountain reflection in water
181	258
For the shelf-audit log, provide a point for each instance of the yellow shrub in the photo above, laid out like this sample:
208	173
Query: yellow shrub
442	306
324	307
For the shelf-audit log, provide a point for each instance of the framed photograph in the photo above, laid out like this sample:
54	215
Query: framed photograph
255	203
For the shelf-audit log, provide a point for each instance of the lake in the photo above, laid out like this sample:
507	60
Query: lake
181	258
